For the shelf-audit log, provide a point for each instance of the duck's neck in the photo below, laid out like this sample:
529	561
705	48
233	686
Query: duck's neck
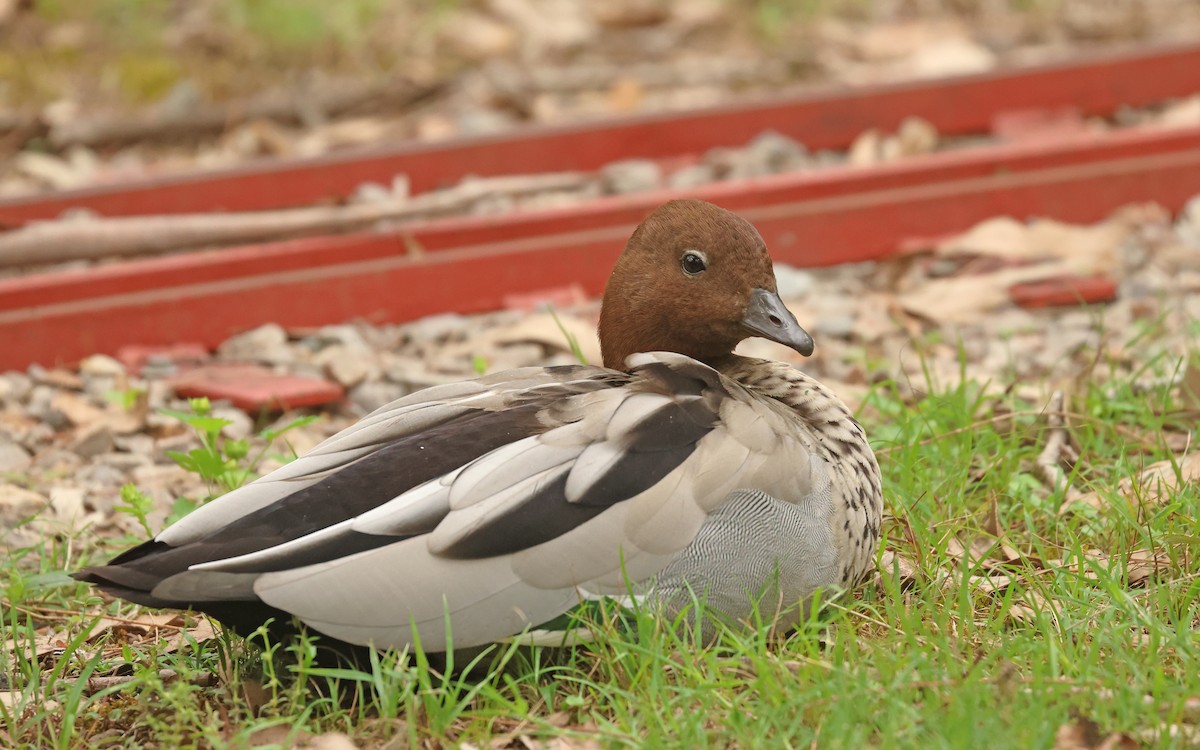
836	431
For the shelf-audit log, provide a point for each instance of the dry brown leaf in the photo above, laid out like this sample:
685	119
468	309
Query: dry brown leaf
45	642
330	741
542	329
969	299
905	572
1002	236
1152	486
1087	248
60	378
1063	249
1140	566
1026	608
256	696
1085	734
1143	565
981	551
1189	387
146	624
569	743
281	735
77	409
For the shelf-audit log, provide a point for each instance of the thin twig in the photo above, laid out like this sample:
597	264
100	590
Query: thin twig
1048	460
92	238
325	101
40	611
96	684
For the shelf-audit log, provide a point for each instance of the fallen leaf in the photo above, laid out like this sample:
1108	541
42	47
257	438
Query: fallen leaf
280	735
330	741
1087	249
899	567
1144	564
1085	734
1189	387
77	409
1151	487
970	299
543	329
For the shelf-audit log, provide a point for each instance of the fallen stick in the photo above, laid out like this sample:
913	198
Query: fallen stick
1048	460
93	238
721	71
295	107
96	684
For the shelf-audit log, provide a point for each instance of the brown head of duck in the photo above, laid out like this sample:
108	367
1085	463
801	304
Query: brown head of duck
694	279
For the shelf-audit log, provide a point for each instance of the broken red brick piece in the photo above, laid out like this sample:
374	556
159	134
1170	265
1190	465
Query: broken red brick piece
557	297
1038	124
1063	291
135	356
253	389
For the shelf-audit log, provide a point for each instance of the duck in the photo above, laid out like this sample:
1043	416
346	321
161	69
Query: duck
473	512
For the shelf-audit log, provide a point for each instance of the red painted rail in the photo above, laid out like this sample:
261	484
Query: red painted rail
625	212
829	118
472	264
850	227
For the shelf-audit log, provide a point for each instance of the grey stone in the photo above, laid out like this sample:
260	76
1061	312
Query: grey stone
368	397
345	334
348	365
412	372
793	283
1188	225
511	356
102	474
13	458
126	462
240	426
93	440
436	328
493	204
37	437
102	365
266	344
631	176
56	459
771	152
692	176
723	161
18	504
483	121
137	444
15	387
41	407
372	192
836	326
158	367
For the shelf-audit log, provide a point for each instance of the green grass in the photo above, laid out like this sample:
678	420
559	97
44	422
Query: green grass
982	645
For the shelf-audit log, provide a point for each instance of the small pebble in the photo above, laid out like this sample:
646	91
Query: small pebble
631	176
793	283
692	176
266	344
13	458
368	397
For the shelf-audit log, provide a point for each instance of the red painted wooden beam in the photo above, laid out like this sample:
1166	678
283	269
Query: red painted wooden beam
624	212
838	228
828	118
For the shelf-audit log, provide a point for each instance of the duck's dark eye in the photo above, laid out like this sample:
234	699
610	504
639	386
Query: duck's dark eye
693	263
